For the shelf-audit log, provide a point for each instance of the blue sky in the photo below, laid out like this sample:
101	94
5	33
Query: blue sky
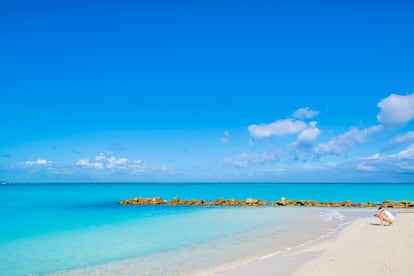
207	91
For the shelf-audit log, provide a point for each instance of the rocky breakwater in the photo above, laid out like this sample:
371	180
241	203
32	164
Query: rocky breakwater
257	202
193	202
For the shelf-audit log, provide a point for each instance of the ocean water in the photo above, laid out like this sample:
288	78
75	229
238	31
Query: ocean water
80	229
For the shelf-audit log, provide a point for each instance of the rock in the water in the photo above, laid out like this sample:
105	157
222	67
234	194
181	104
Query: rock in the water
251	201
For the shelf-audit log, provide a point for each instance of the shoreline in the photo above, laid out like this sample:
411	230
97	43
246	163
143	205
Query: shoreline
321	255
360	248
217	256
243	267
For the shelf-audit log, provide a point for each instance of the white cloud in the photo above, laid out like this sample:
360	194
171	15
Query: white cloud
38	162
226	138
366	168
89	164
110	164
115	162
82	162
304	113
396	110
137	166
309	134
330	164
344	142
104	162
100	157
245	159
337	145
98	165
402	139
400	161
362	135
42	162
307	137
407	153
277	128
403	160
375	156
110	161
406	167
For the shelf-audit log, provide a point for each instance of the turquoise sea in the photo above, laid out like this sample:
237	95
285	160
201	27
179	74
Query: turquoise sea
61	228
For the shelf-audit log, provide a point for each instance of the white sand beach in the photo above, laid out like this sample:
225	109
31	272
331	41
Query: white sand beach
361	248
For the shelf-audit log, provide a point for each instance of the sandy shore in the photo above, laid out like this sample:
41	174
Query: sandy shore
361	248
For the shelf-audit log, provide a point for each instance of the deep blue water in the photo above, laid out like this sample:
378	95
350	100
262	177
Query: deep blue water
52	227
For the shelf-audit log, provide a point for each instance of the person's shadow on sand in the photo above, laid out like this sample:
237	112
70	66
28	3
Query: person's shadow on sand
376	224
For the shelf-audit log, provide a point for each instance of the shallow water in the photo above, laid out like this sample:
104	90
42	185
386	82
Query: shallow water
47	228
230	236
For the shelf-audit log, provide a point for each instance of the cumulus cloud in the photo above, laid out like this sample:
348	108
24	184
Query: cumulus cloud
38	162
307	137
344	142
87	163
304	113
103	164
277	128
115	162
226	138
107	162
245	159
100	157
309	134
396	110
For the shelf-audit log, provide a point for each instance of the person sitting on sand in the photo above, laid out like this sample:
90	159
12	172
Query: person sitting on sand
384	215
